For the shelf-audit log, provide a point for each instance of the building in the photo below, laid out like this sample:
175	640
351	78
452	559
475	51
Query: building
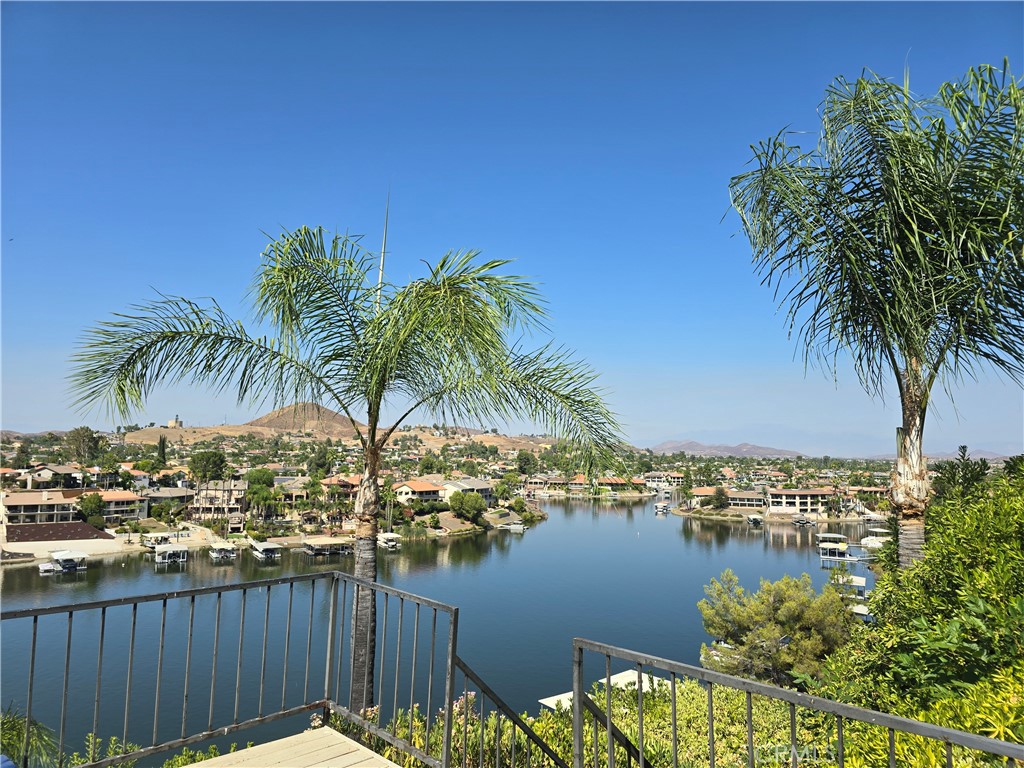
119	506
40	506
220	498
469	485
799	501
408	490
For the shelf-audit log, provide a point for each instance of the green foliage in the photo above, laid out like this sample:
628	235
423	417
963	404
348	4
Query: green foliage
91	505
42	746
954	619
962	477
264	477
527	462
781	633
97	521
208	465
898	184
83	445
94	751
435	521
189	756
720	498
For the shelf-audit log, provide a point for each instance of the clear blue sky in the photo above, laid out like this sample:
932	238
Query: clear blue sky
149	146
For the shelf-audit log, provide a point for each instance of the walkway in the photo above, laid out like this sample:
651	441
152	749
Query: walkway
319	748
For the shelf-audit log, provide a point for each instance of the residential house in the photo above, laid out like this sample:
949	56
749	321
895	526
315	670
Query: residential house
469	485
40	506
219	498
408	490
799	501
119	506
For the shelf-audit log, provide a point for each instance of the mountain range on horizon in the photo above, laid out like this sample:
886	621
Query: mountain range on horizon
324	422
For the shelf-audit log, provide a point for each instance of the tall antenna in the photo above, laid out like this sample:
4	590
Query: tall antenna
383	248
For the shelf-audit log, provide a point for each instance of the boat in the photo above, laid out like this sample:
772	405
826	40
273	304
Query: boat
266	552
832	550
874	517
661	508
878	538
755	520
223	553
389	541
858	585
518	527
171	554
63	561
152	540
802	521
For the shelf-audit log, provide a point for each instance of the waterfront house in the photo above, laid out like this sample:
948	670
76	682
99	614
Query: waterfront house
468	485
799	501
119	506
219	498
579	485
407	490
40	506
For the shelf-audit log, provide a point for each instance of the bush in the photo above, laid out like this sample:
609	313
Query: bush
97	521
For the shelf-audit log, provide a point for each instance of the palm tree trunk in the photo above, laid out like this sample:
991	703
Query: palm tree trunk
364	611
910	484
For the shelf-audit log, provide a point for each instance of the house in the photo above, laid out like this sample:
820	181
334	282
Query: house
579	484
40	506
799	501
469	485
119	506
408	490
341	486
616	484
52	476
219	498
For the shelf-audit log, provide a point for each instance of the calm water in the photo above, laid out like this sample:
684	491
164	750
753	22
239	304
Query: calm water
612	573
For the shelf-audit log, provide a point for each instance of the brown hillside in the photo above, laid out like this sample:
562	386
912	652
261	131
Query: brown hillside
307	417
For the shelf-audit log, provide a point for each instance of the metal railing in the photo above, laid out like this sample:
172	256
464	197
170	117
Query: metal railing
650	733
170	670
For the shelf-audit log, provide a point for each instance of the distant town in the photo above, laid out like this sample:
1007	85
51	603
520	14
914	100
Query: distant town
296	472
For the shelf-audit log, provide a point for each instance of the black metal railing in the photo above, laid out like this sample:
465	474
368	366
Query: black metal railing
655	729
170	670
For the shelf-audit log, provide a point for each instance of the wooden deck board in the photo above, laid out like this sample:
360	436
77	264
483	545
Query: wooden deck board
319	748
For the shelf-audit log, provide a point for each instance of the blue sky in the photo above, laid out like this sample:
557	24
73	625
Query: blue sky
150	146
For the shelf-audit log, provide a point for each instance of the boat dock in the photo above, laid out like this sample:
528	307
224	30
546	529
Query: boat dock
619	680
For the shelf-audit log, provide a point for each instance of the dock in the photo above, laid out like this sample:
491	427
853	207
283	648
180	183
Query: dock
619	680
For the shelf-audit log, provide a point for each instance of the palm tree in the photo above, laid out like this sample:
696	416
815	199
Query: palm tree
439	344
26	741
899	240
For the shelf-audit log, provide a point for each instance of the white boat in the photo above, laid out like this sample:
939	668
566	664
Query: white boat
833	550
514	527
755	520
857	584
266	552
874	517
171	554
661	508
63	561
389	541
801	521
223	553
153	540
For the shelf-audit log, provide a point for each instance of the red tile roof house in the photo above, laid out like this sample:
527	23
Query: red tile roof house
799	501
42	506
119	506
408	490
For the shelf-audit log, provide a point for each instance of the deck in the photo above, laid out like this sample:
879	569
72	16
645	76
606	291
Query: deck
319	748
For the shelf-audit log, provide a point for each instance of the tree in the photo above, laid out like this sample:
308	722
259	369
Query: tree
963	476
526	462
720	498
91	505
899	240
341	339
22	456
781	633
208	465
264	477
83	445
161	451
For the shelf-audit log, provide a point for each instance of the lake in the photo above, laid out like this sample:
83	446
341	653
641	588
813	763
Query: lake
611	572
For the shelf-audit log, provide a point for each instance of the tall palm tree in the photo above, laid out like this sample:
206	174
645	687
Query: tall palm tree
439	344
899	240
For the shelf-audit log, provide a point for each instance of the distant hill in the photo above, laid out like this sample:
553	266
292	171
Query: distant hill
307	417
693	448
947	455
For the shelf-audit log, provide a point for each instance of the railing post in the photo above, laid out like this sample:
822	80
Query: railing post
332	629
449	691
577	706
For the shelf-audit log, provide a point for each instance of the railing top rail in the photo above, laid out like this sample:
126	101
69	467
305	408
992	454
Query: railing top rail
948	735
221	588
